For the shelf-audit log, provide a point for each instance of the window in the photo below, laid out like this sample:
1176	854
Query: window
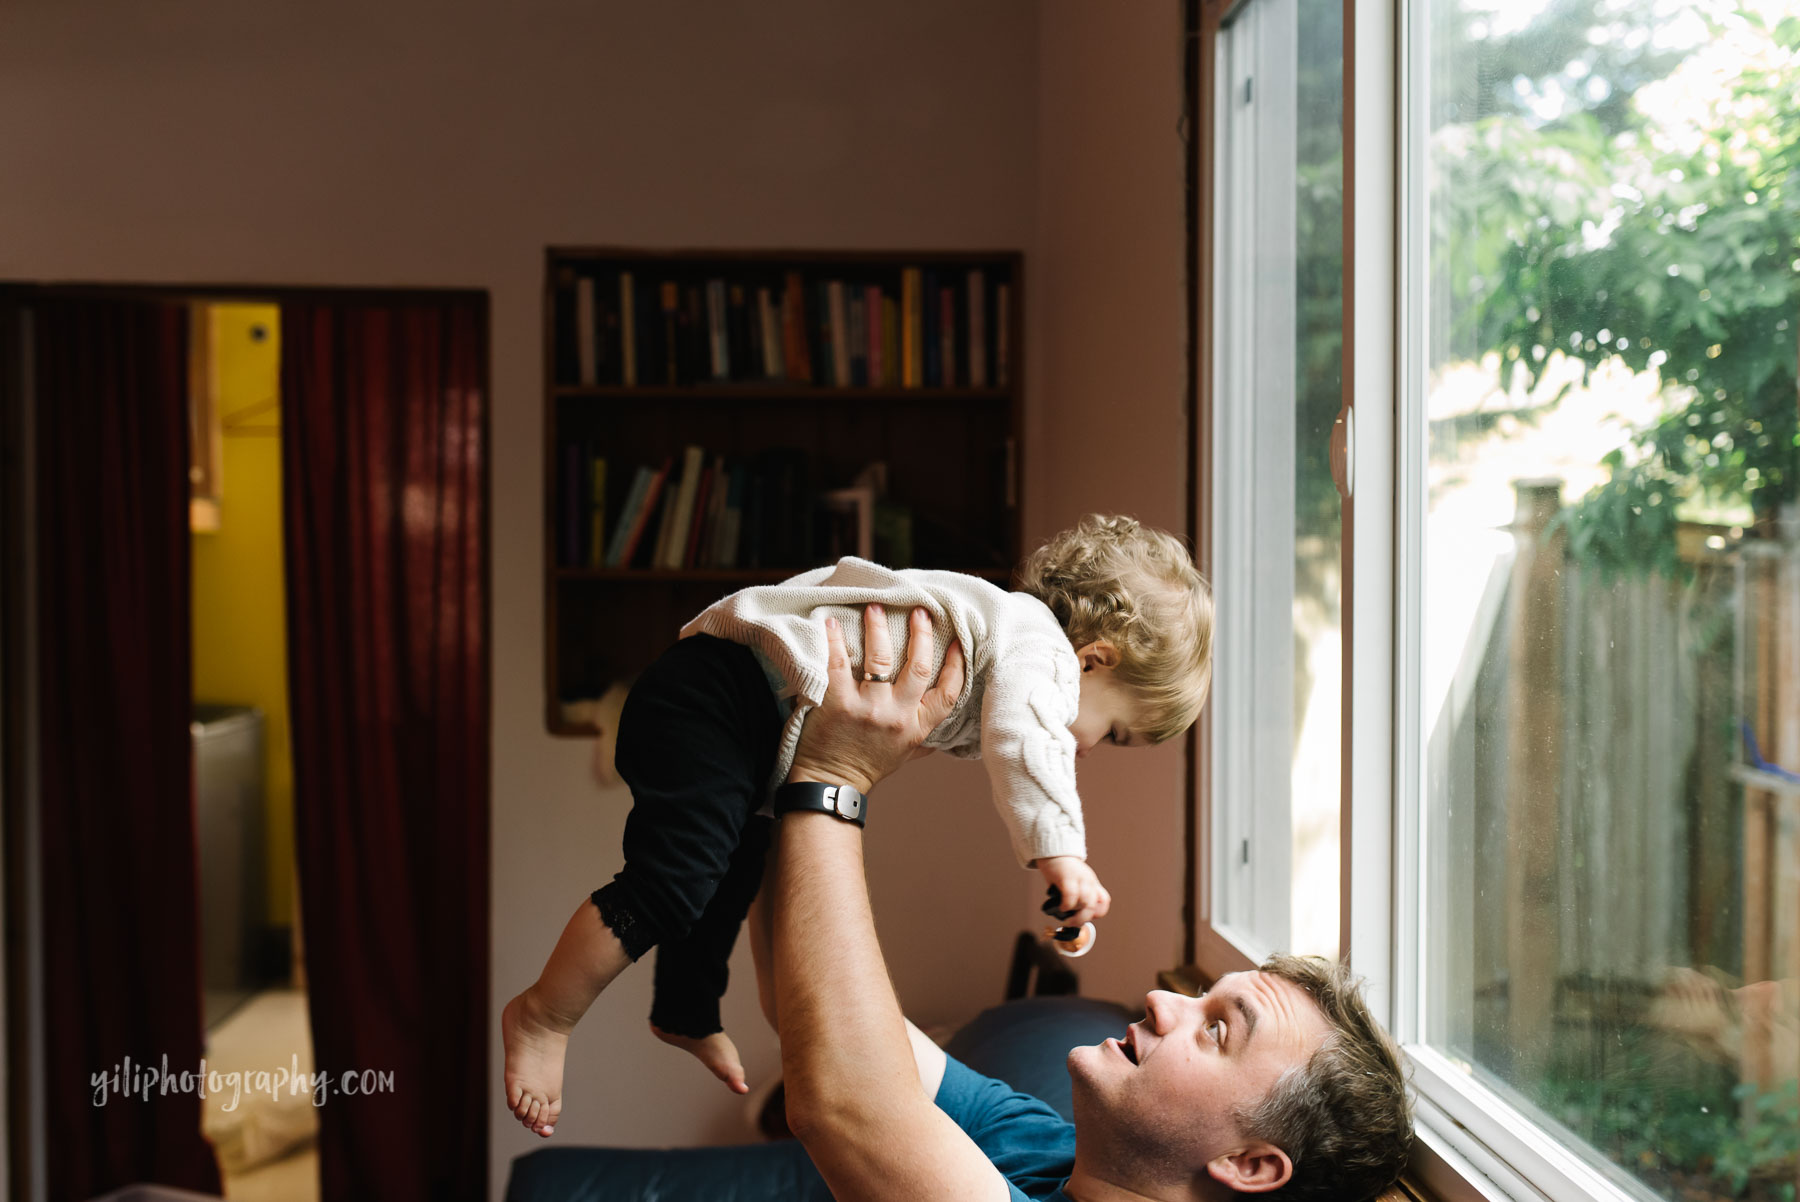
1277	309
1573	558
1601	718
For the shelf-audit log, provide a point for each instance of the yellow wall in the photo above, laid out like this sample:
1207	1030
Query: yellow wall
240	627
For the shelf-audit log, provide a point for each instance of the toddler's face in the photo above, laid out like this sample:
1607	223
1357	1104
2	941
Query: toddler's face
1109	713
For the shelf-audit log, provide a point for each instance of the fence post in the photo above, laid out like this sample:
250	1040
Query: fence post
1534	771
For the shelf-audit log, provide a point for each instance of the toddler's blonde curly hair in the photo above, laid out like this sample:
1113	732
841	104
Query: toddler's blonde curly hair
1137	588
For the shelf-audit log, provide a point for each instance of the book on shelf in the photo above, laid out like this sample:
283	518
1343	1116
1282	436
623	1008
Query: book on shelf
794	330
910	326
1002	334
671	313
839	333
871	336
932	367
696	527
769	326
911	319
587	329
890	342
628	372
680	515
717	338
947	335
857	335
977	301
634	541
569	552
596	555
628	516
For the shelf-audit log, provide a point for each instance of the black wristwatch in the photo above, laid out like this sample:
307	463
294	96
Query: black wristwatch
840	801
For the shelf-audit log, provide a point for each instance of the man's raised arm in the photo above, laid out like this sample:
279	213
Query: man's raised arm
853	1091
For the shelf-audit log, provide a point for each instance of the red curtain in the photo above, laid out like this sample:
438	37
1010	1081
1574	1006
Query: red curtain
383	432
119	888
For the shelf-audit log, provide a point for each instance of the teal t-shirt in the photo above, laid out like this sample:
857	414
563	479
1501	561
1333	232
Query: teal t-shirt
1031	1144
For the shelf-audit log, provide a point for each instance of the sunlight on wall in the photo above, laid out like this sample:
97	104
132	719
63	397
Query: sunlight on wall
240	632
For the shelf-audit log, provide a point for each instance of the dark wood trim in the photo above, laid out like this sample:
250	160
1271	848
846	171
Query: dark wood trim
14	705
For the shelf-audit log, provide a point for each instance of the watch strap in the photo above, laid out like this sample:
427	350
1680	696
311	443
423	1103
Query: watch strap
840	801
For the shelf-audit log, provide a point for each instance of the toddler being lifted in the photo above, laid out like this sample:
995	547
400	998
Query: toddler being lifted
1108	642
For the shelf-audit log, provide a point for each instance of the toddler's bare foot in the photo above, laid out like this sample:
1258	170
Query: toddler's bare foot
715	1051
535	1046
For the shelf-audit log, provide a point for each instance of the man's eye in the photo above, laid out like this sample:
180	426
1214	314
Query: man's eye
1112	736
1216	1029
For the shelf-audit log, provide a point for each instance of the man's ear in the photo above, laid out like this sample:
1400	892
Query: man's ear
1098	654
1253	1169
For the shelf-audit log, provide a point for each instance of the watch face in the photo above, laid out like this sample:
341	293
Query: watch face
849	803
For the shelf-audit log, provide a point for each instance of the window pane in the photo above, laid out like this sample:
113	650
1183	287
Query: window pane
1612	577
1279	336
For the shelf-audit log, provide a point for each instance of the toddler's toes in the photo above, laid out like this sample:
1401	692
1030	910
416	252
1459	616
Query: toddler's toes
716	1052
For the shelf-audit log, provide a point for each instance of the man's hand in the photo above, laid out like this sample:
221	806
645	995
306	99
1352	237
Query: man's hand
867	729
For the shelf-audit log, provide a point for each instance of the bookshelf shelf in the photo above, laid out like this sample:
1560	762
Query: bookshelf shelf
853	402
781	392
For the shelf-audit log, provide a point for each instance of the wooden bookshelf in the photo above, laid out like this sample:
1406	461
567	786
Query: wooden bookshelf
712	362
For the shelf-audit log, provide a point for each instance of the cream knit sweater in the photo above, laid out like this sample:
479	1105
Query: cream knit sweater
1021	691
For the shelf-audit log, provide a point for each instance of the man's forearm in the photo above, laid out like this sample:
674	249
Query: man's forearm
844	1046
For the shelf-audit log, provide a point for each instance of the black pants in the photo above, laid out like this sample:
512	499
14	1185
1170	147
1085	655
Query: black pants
697	742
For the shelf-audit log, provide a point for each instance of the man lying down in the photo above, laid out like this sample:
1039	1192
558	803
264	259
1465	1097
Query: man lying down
1276	1082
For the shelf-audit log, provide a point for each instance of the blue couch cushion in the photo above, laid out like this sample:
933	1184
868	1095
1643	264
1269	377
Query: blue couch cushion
1024	1043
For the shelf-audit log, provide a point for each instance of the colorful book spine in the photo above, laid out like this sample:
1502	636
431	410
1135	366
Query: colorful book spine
652	494
628	516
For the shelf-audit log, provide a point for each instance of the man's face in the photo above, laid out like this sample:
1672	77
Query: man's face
1171	1087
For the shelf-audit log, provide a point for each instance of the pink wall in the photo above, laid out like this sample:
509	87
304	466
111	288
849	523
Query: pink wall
416	143
1107	429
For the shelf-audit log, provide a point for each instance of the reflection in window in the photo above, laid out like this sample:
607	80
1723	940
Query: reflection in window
1612	577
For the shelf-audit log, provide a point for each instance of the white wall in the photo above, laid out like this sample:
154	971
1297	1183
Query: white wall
416	143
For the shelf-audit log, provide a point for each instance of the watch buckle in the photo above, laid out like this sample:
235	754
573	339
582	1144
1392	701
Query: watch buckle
846	802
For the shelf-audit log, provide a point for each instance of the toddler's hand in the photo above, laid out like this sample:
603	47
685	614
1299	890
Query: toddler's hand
1081	890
